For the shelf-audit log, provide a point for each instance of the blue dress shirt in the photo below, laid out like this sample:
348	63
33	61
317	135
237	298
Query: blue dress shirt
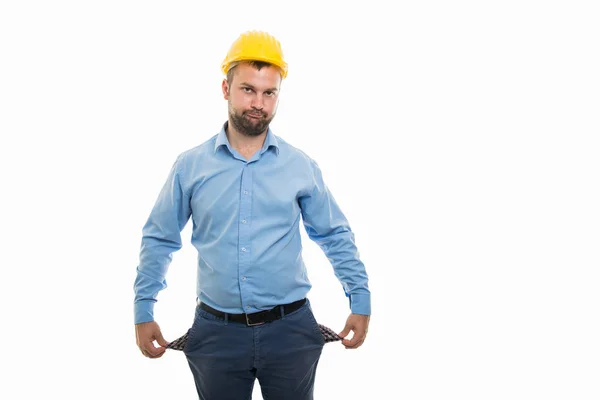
246	216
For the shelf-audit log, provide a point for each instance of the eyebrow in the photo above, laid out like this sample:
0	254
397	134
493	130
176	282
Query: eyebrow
252	87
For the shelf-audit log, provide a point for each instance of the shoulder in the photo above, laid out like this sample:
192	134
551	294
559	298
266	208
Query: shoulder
196	154
296	154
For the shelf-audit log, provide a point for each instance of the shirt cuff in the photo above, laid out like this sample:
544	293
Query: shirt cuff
360	304
143	311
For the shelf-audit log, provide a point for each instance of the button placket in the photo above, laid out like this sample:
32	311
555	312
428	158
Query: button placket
245	245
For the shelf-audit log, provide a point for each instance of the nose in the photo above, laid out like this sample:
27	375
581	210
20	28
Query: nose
257	102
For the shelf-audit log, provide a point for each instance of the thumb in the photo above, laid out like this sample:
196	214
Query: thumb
160	339
345	332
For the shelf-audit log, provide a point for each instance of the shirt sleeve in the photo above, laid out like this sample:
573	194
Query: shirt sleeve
327	226
161	237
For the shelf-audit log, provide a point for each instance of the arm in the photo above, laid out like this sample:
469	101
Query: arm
161	238
327	226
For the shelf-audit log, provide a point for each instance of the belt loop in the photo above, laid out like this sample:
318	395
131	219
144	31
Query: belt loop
281	311
226	318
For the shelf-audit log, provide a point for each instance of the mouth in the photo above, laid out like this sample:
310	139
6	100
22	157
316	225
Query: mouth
255	116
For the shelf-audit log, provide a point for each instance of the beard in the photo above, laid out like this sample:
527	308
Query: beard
247	125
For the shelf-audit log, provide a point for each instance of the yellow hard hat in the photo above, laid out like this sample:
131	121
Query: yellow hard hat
256	46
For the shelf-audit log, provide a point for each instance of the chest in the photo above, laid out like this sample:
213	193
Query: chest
225	192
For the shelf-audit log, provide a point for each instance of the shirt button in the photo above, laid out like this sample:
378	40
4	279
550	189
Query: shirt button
248	307
243	221
245	192
243	278
243	249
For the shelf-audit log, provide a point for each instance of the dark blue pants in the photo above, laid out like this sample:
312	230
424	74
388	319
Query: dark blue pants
227	357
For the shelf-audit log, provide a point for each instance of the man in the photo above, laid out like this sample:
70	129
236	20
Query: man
246	191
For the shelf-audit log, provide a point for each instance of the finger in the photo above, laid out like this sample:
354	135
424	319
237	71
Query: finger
355	346
356	340
345	332
160	354
151	350
161	340
359	334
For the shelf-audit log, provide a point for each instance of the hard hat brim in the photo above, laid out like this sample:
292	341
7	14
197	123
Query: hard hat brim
283	68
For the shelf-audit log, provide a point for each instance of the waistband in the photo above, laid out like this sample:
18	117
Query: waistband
257	318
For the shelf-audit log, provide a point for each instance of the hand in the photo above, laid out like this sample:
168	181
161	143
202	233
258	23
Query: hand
359	324
145	334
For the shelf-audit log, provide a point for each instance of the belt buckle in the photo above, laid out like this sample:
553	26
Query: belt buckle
252	324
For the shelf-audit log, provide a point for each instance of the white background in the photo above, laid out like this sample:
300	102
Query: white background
460	139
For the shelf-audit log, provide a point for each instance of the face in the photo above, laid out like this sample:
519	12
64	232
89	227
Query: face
252	98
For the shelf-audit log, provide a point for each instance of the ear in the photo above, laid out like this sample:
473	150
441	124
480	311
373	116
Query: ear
225	88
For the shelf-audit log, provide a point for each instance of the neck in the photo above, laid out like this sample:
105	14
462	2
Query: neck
244	143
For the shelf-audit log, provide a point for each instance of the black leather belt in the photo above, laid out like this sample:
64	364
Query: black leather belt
257	318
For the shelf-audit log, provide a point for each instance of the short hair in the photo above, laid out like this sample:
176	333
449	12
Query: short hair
255	64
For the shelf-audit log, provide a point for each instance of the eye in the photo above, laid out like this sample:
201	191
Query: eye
247	90
269	93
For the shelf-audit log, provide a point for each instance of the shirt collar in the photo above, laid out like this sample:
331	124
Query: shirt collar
270	141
